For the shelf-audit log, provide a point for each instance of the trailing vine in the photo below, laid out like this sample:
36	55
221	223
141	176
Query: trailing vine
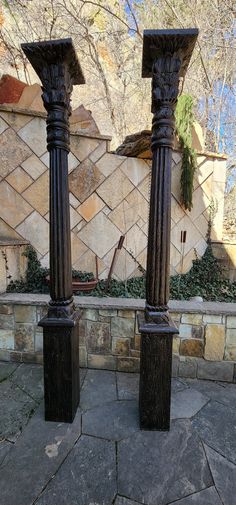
184	122
205	279
36	278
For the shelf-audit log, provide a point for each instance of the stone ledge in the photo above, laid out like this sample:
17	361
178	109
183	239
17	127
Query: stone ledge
33	113
87	302
13	241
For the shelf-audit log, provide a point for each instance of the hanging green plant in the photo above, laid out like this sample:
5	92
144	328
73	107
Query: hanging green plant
184	121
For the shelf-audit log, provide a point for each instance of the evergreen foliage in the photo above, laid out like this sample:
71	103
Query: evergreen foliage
184	122
36	276
204	279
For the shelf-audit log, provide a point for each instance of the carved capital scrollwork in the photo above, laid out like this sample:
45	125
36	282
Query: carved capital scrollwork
165	83
57	88
57	65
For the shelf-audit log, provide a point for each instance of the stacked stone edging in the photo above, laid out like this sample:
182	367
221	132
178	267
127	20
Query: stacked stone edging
109	337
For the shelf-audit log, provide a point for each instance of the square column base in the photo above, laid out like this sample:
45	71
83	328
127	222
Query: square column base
155	376
61	368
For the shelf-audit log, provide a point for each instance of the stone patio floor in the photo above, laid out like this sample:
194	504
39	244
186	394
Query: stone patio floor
103	458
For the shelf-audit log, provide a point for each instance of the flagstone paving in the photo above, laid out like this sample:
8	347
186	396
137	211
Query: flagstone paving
103	458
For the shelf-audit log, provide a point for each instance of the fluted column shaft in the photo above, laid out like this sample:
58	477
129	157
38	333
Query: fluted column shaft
60	244
57	65
165	79
166	54
57	88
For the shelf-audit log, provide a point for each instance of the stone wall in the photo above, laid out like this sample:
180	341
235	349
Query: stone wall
109	197
12	261
109	337
225	252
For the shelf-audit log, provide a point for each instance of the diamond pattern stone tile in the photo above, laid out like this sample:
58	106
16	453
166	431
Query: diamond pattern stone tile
38	194
177	211
175	256
135	241
145	186
75	218
115	188
192	236
125	266
73	201
78	248
204	170
99	152
12	152
175	181
14	208
109	163
207	187
15	120
139	203
142	259
129	211
34	135
45	260
7	231
135	169
91	207
185	265
79	226
200	247
3	125
200	202
123	216
81	147
73	162
202	225
100	234
19	179
145	228
84	180
176	157
33	166
86	263
36	229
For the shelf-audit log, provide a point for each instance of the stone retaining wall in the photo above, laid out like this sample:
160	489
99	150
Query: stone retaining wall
109	337
109	197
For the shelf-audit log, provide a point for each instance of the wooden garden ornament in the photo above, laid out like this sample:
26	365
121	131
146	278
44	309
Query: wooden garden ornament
166	55
57	65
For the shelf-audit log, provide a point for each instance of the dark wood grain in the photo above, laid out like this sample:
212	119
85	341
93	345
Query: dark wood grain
57	65
155	370
166	54
62	390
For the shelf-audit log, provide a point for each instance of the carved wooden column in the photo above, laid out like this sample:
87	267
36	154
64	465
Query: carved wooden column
57	65
166	54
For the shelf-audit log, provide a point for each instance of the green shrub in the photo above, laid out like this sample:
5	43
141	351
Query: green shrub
204	279
35	279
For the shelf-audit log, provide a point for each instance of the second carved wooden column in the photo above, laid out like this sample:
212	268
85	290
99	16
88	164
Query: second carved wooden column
166	54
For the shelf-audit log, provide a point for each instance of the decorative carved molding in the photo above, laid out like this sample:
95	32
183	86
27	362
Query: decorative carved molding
165	85
57	66
178	43
166	54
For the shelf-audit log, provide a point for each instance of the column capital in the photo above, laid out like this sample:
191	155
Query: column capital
57	65
173	43
166	55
